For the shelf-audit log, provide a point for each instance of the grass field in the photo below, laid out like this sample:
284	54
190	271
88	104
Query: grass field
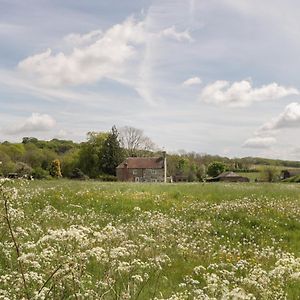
91	240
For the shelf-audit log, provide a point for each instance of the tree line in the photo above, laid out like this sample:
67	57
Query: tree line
102	152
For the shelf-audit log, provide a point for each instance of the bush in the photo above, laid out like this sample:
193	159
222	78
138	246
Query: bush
78	174
23	169
107	178
39	173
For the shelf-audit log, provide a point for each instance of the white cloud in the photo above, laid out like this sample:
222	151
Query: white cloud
36	122
119	53
96	56
192	81
259	142
82	39
289	118
172	33
104	58
242	94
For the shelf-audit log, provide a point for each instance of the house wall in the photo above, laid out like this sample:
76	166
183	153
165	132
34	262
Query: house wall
141	175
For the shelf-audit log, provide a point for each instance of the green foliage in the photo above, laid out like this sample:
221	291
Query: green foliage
269	174
295	179
7	165
215	168
111	178
23	169
89	160
40	173
112	153
78	174
69	162
55	169
201	173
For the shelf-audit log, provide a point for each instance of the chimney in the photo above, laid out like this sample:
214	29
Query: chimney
125	172
164	153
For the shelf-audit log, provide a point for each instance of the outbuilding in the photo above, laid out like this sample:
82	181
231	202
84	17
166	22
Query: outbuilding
229	177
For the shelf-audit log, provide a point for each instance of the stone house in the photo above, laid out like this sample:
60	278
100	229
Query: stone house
142	169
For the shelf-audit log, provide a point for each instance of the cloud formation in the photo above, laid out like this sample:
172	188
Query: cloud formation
192	81
289	118
83	39
172	33
259	142
36	122
242	93
96	55
105	57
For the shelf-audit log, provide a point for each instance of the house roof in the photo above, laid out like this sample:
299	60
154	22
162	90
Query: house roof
229	175
142	163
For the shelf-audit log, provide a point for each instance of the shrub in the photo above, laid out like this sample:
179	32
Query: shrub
39	173
23	169
78	174
107	178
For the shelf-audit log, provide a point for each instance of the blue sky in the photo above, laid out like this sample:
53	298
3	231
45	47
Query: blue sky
218	77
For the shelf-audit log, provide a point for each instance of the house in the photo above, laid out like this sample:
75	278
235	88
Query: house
143	169
229	177
289	173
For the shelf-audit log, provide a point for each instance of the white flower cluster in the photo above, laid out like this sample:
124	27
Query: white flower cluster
93	244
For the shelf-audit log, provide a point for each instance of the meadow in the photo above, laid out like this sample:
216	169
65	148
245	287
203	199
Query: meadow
63	239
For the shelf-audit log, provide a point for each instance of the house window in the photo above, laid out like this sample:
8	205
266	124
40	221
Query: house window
153	171
134	172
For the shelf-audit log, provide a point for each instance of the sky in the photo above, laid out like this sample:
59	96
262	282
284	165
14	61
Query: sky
210	76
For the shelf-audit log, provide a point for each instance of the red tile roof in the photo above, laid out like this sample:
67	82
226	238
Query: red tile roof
142	163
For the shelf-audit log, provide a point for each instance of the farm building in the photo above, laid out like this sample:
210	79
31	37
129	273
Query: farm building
180	178
142	169
285	174
229	177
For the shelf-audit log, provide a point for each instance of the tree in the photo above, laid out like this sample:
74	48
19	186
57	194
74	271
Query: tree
69	162
201	173
6	164
90	154
112	153
215	168
133	139
269	174
55	170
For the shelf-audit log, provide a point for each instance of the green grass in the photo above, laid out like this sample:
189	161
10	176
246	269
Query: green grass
235	232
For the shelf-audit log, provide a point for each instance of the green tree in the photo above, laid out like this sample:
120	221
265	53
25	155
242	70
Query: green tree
90	154
6	164
215	168
269	174
112	154
69	162
201	173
